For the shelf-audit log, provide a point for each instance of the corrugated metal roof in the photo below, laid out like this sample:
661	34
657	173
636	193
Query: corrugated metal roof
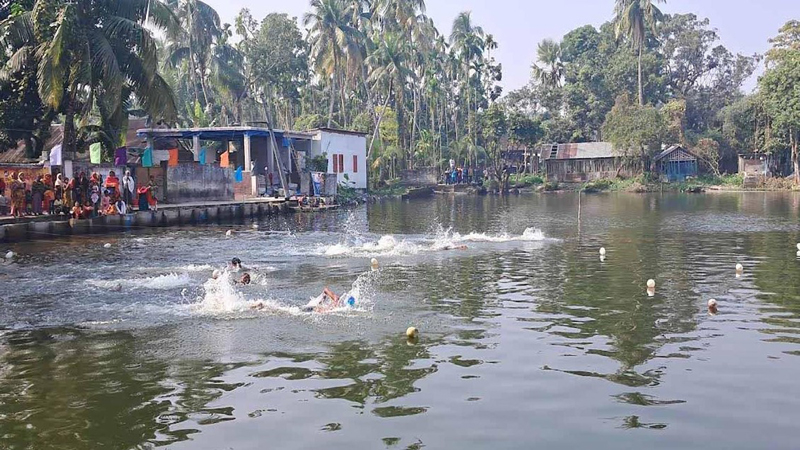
16	156
672	149
581	150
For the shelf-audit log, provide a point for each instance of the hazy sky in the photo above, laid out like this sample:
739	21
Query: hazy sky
744	26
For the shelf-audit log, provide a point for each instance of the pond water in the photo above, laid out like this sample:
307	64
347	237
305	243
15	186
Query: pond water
527	338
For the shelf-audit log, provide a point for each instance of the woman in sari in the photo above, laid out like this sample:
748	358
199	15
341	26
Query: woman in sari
18	196
37	196
68	199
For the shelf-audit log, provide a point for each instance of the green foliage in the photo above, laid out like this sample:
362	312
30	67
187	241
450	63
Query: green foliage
520	180
318	163
779	87
635	130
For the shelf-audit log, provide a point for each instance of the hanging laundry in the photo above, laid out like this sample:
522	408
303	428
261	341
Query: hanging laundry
224	159
147	157
202	156
173	157
239	177
96	153
121	157
55	156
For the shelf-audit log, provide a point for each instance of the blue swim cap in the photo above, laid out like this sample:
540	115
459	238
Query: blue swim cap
351	301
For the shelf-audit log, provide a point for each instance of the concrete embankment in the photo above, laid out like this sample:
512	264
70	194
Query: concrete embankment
165	217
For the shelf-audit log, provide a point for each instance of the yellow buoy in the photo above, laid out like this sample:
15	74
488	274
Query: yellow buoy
651	284
412	333
712	306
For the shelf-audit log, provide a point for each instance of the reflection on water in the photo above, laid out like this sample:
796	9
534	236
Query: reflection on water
525	342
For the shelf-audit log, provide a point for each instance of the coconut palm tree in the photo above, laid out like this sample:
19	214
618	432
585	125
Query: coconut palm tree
467	42
192	43
633	19
94	56
551	70
331	37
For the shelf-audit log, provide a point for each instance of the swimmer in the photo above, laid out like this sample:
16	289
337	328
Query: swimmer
455	247
245	280
328	301
236	264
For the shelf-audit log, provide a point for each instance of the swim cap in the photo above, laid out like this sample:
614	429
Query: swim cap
351	301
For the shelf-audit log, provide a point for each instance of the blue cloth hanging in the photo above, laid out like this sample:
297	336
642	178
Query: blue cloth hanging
202	156
239	177
147	157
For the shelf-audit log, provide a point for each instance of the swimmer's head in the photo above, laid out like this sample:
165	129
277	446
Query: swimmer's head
246	278
236	262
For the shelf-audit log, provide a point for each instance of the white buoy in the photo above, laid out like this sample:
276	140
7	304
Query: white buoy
651	292
602	251
374	264
798	247
107	245
739	268
651	284
712	303
10	255
229	233
412	333
255	226
602	258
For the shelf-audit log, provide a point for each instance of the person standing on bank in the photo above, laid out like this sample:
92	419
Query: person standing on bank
37	196
128	188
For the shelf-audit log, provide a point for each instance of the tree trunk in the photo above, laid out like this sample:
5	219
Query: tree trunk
411	151
380	118
795	162
641	88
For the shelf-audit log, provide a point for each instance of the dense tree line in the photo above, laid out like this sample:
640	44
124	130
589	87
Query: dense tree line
383	67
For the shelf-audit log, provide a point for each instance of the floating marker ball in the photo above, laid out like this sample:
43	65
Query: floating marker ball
255	226
374	263
739	268
10	254
712	303
602	251
651	284
107	245
412	333
215	274
229	233
798	247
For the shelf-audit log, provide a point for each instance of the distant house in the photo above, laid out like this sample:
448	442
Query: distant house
347	154
586	161
675	164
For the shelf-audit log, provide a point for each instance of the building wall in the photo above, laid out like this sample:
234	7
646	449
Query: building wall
582	170
187	183
347	145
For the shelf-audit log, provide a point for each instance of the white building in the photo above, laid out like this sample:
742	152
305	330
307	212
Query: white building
347	154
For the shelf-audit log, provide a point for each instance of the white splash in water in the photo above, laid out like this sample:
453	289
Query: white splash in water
161	282
443	239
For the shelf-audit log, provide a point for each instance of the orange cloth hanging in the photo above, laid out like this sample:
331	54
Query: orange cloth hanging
223	160
173	157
